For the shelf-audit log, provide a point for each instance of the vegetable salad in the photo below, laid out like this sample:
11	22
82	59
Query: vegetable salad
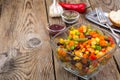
83	47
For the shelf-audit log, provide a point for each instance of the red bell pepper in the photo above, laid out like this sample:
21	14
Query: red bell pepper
111	40
92	56
80	7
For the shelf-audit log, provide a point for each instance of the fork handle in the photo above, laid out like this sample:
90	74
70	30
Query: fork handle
111	30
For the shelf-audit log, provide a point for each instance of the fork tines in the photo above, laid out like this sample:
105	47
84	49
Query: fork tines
100	15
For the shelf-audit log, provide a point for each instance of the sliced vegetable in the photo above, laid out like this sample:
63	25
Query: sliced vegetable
72	47
61	52
103	43
81	39
98	47
93	57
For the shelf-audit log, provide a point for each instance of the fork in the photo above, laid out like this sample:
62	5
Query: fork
102	19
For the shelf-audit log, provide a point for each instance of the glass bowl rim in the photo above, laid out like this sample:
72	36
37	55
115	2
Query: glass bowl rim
64	27
71	11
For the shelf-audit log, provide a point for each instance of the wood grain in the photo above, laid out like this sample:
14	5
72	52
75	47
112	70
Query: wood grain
25	47
61	74
117	59
107	5
25	52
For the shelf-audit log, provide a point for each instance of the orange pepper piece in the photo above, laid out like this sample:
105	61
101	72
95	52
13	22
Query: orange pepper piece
88	42
94	34
78	53
101	37
82	35
85	56
103	43
61	52
82	28
71	43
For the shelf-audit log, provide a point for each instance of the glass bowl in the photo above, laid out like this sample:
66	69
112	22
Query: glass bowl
80	65
70	16
55	28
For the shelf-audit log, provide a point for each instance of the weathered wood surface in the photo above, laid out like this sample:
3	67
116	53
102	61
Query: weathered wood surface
21	34
25	52
60	73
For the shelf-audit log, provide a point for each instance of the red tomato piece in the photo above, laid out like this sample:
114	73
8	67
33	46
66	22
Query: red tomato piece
111	40
92	56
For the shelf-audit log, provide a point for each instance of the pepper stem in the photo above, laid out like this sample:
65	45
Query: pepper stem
87	7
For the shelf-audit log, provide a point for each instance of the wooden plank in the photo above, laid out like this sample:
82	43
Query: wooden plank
107	5
0	6
61	74
22	55
111	71
117	58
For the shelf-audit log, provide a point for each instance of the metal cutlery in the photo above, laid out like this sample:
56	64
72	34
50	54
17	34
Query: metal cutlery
103	20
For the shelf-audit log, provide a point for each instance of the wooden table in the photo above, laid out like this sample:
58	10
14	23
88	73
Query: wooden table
25	52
